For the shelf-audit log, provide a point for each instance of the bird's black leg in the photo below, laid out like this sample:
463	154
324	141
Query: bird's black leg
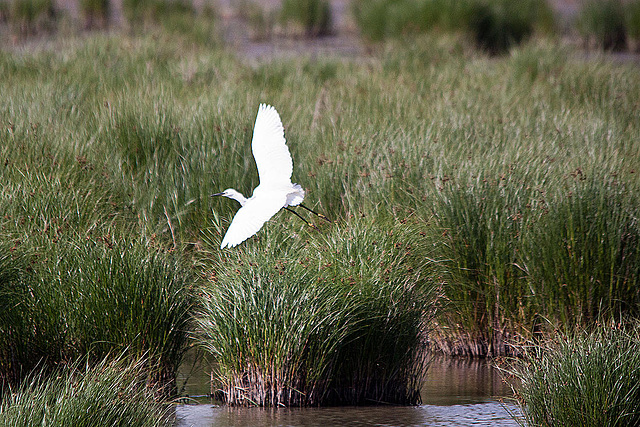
315	213
299	216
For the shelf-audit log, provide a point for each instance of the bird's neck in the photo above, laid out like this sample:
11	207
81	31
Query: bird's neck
238	197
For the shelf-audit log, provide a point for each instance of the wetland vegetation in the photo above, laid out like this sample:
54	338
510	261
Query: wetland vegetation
479	202
582	379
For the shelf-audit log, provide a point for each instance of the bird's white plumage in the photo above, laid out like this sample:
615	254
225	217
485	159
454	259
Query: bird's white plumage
275	191
250	218
269	148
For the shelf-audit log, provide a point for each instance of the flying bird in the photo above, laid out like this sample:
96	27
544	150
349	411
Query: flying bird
275	191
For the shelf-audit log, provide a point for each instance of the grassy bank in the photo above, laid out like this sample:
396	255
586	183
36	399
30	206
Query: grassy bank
481	199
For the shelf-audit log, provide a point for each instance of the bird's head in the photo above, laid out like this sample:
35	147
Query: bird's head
232	194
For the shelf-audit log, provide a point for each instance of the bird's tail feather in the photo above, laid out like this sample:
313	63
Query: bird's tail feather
296	196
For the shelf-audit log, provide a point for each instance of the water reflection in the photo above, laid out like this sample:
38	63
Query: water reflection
455	393
463	381
319	416
479	414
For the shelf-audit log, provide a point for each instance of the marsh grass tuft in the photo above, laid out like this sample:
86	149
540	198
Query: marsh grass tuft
590	269
602	24
114	392
91	297
96	13
582	379
380	19
498	25
4	12
482	223
31	16
334	320
494	25
632	21
313	16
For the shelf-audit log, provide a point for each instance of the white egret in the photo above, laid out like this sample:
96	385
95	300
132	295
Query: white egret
275	191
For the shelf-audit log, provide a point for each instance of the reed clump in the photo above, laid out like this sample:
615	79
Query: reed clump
482	223
91	297
114	392
335	319
494	25
78	278
602	24
582	379
498	25
312	16
632	15
611	25
589	268
166	12
30	16
95	12
505	284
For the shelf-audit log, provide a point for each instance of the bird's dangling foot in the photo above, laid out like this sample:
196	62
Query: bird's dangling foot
315	213
310	224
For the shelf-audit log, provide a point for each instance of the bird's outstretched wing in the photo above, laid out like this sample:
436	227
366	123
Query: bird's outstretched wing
270	148
250	218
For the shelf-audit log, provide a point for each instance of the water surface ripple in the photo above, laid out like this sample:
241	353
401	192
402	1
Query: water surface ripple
478	414
456	393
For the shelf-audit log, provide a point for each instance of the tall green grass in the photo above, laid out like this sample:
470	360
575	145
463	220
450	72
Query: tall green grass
89	282
92	297
313	16
171	14
95	12
591	267
306	18
382	18
303	319
583	379
632	21
507	281
498	25
30	16
482	223
119	139
114	393
13	269
602	24
494	25
4	12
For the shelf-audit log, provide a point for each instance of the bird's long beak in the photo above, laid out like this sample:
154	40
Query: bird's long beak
217	194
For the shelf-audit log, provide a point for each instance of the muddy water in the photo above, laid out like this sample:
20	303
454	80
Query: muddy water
455	393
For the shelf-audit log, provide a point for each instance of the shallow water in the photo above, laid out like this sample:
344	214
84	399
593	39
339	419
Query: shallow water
478	414
455	393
